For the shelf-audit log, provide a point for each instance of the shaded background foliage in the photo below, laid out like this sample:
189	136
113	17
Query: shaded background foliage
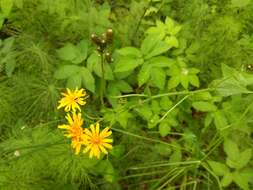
193	132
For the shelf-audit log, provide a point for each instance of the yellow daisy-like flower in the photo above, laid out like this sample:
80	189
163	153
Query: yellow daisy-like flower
72	100
74	131
97	142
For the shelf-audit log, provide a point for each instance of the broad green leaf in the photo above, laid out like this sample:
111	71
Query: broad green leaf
10	66
6	6
218	168
184	80
227	179
204	106
123	117
158	77
74	81
220	119
165	103
66	71
153	46
127	64
8	44
105	168
231	149
173	82
87	78
123	86
152	122
130	52
194	80
245	157
155	107
164	129
241	181
172	41
68	52
144	74
161	61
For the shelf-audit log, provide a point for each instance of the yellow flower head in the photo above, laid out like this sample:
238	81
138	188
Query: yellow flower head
74	131
72	100
97	142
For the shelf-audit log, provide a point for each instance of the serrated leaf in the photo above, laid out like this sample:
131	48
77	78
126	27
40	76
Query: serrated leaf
66	71
204	106
87	79
218	168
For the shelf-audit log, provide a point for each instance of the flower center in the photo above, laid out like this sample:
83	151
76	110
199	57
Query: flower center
96	140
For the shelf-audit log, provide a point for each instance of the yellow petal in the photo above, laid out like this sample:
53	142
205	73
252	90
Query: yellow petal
97	128
92	129
103	149
107	140
88	132
107	145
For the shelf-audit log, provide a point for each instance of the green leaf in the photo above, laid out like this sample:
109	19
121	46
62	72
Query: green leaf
165	103
88	79
172	41
153	46
241	181
144	74
184	80
130	52
162	149
173	82
220	119
106	169
194	80
218	168
74	81
125	64
117	151
19	3
245	157
124	86
164	129
227	179
66	71
161	61
9	67
204	106
232	150
158	77
6	6
68	52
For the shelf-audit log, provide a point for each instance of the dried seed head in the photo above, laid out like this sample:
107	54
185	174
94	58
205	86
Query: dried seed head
108	57
109	34
99	49
103	44
96	39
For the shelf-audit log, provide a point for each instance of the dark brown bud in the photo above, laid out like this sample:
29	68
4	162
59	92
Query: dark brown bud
103	44
108	57
104	36
109	34
99	49
96	39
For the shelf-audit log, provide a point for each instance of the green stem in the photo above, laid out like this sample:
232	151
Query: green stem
102	85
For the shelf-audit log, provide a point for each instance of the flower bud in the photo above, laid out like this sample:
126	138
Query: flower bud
109	34
96	39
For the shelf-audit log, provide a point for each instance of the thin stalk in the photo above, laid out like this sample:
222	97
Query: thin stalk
102	85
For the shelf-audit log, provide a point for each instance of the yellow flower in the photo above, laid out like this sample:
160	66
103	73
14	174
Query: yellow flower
72	100
97	142
74	131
